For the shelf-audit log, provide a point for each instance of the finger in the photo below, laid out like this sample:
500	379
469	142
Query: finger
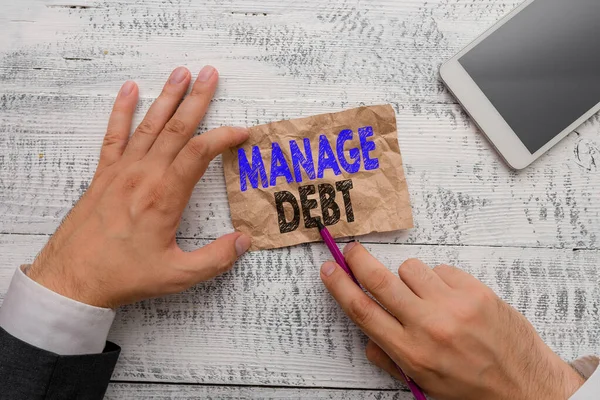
453	277
379	358
119	125
182	126
159	113
421	279
390	291
377	323
216	257
193	160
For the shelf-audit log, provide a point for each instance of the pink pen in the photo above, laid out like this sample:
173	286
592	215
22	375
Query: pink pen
341	261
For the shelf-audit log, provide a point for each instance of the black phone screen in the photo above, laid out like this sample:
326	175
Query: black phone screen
541	70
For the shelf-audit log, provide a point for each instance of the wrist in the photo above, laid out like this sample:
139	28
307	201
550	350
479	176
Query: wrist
43	274
61	280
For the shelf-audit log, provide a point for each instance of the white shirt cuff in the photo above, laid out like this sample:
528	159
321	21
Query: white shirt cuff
45	319
588	367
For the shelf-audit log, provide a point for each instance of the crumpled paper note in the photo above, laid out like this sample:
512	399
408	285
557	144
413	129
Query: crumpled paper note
344	168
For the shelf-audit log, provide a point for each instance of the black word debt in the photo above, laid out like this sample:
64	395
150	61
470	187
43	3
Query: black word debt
305	203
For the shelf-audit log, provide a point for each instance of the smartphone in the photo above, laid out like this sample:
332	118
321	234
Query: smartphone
532	78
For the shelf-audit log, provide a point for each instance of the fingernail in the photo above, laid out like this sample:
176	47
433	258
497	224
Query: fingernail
206	73
127	88
328	268
349	246
178	75
242	244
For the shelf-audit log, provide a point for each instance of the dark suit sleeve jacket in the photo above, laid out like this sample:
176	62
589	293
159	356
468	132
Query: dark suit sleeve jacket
27	372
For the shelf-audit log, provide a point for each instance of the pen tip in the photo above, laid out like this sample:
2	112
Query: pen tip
320	225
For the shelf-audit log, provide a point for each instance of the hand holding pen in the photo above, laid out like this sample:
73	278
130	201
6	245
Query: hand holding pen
339	259
445	329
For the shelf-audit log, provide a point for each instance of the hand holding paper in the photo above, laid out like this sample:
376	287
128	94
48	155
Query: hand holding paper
117	245
343	169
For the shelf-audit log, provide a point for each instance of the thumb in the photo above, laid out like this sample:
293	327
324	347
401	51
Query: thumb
218	257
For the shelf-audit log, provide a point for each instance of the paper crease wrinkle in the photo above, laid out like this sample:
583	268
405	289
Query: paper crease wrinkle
380	199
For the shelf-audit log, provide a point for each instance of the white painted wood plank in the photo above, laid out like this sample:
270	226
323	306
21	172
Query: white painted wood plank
461	191
271	322
299	59
126	391
344	50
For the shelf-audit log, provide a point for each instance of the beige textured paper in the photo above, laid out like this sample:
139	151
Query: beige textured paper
379	196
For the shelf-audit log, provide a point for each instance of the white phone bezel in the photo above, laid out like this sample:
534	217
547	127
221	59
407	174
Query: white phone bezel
485	115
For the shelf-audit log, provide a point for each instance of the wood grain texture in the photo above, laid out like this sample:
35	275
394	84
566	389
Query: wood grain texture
339	50
271	322
461	192
532	236
125	391
61	63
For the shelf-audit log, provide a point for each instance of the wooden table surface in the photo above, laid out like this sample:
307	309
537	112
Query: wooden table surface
268	329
